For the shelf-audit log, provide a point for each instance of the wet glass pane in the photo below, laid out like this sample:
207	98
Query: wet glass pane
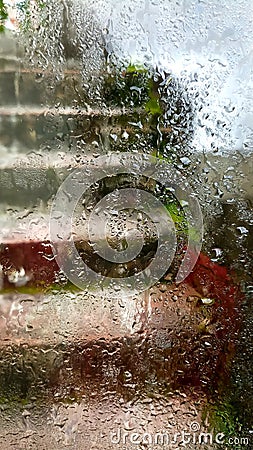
126	224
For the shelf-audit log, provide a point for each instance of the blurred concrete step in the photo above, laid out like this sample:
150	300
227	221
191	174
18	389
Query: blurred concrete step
23	83
68	316
26	253
27	86
73	342
25	265
26	128
107	414
25	179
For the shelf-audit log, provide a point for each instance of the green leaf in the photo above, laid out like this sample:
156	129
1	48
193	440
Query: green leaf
135	68
153	106
176	215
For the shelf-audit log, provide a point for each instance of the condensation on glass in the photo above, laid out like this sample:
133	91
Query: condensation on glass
171	365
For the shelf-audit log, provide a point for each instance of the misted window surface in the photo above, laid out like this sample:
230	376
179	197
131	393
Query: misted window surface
126	190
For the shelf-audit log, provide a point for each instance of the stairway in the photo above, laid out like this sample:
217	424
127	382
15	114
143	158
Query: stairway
74	363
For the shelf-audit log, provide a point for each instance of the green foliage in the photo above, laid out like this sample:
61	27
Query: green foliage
128	87
135	68
3	16
176	213
223	419
133	86
153	104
